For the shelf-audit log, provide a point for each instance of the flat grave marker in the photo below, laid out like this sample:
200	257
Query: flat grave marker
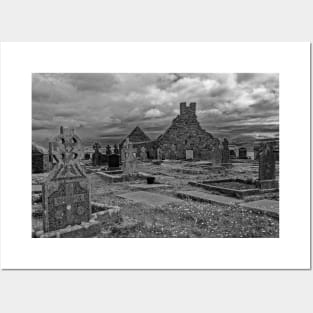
270	207
149	186
149	198
207	197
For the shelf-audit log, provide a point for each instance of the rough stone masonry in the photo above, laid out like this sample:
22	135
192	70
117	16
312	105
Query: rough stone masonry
185	133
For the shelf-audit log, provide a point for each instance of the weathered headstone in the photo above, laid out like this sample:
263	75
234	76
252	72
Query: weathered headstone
113	161
216	152
267	167
66	192
225	151
189	154
116	150
124	149
130	164
108	150
96	156
159	154
143	154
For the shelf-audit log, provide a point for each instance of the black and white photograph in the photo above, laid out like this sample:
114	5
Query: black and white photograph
155	155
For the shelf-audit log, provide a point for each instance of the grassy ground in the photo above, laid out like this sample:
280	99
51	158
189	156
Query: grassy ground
185	219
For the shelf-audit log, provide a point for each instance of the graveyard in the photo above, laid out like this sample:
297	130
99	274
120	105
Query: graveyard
128	195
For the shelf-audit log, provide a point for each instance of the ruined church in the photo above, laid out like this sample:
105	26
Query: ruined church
183	139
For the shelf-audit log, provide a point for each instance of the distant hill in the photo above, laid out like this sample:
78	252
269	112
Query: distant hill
247	140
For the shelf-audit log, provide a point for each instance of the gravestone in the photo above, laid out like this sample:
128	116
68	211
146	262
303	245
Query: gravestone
97	155
267	167
108	150
130	164
124	149
216	154
225	151
143	154
66	192
159	155
189	154
116	150
113	161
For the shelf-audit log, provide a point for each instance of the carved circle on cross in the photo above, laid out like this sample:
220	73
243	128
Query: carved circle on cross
67	148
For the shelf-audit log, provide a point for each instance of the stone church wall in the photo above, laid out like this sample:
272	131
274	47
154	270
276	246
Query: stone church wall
185	133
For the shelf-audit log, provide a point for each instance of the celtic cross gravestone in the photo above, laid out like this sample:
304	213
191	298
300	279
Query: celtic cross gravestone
66	192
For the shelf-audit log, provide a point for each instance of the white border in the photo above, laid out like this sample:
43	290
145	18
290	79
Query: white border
290	251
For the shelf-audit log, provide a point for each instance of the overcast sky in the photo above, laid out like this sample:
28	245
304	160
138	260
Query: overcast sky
109	106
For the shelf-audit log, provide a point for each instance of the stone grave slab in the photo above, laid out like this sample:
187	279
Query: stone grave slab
149	186
149	198
112	178
269	207
207	197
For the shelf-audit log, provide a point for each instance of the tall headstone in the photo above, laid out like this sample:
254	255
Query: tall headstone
96	157
108	150
267	167
216	152
143	154
225	151
124	150
159	153
130	164
116	150
66	192
113	161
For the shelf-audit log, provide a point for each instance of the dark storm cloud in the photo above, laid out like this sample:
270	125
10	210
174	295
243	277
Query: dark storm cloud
39	127
92	81
111	105
244	77
65	113
42	125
